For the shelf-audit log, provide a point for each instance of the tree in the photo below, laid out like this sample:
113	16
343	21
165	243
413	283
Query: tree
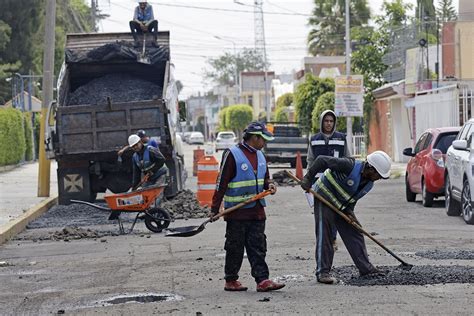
281	115
328	25
284	100
182	111
307	95
238	116
446	11
223	69
6	69
222	119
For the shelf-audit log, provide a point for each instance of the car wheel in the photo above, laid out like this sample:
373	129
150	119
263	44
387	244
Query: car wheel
157	219
426	197
411	197
452	208
467	212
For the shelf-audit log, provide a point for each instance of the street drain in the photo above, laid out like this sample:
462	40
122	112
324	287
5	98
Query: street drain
418	275
141	298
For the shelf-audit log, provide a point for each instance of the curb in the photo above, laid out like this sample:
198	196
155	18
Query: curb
13	228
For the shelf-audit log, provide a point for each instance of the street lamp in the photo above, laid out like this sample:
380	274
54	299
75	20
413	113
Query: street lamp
236	78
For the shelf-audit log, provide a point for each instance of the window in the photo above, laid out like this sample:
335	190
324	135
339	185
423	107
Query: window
250	100
420	144
464	132
444	141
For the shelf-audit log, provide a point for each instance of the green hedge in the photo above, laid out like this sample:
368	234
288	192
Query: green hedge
16	141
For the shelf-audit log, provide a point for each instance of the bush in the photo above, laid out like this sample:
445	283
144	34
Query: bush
238	116
284	100
37	126
28	136
12	137
281	115
222	119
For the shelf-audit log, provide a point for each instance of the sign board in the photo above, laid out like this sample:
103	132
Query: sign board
349	96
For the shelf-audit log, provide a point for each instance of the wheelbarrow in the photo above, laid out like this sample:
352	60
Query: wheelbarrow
188	231
144	202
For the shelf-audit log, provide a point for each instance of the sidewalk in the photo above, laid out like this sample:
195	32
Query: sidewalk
19	188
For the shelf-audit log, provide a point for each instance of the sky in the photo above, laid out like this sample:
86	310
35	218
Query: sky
193	32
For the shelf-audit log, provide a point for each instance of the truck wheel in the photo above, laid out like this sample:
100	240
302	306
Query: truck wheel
157	219
452	207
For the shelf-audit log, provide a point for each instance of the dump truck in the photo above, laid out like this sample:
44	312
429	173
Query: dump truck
106	91
289	140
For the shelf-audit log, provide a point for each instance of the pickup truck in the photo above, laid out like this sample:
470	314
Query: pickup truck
288	141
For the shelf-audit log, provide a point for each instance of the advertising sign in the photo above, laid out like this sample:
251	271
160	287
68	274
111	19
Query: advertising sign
349	96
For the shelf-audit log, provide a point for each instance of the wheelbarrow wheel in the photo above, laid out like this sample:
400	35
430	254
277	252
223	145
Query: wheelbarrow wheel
157	219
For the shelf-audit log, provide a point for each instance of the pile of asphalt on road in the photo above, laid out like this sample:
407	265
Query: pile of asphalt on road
185	205
119	87
397	275
282	179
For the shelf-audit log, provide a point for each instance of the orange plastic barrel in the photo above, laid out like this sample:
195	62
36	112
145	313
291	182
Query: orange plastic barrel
207	172
197	154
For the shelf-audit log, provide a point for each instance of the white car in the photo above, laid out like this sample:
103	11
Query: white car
459	176
225	140
196	138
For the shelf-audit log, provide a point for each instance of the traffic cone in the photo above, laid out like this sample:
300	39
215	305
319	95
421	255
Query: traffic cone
299	166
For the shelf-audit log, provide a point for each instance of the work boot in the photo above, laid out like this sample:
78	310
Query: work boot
234	286
269	285
373	273
326	278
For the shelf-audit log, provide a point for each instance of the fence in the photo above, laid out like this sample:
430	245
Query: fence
359	145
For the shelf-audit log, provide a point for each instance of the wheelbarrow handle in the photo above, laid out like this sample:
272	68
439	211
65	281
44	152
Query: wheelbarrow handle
235	207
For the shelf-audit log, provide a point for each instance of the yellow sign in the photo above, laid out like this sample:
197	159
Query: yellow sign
349	99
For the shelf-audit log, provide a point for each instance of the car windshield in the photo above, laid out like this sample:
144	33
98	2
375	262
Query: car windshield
444	141
226	135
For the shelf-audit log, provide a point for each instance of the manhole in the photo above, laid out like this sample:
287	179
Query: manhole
141	298
417	275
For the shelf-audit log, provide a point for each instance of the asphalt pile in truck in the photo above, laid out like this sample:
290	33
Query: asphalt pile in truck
119	87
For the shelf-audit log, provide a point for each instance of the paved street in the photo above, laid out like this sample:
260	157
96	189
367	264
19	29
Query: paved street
79	276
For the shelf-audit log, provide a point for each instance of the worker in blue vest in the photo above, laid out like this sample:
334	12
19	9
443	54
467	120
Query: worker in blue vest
343	182
243	174
144	21
328	142
146	160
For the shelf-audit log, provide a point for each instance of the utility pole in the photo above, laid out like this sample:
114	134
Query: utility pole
48	75
348	72
94	13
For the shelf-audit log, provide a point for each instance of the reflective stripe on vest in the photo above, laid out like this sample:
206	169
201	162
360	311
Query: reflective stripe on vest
342	193
246	182
335	146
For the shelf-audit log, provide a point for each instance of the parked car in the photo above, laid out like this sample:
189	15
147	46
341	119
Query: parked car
196	138
426	167
186	136
225	140
459	175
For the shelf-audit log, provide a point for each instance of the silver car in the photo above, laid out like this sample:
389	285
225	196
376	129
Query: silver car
225	140
459	175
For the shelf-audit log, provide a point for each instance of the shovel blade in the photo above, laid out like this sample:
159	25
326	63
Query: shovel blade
186	231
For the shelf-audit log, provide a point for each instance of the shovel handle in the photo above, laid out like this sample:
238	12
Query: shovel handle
348	219
235	207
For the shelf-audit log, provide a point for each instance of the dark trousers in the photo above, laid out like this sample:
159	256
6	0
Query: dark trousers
137	30
249	236
325	219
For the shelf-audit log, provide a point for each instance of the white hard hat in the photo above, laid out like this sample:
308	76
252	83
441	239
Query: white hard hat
133	140
381	162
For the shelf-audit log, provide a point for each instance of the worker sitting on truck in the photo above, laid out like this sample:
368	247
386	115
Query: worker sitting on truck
144	21
146	140
147	160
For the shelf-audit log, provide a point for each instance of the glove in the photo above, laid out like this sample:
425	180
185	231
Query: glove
306	184
213	213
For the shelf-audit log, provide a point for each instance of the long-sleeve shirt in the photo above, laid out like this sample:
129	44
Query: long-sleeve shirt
156	157
144	16
310	157
226	174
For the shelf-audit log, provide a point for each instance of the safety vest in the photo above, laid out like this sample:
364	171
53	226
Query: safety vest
146	165
343	193
334	148
246	182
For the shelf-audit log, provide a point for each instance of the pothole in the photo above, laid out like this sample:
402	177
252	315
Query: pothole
417	275
141	298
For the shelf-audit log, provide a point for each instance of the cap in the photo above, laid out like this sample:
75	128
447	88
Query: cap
141	133
258	128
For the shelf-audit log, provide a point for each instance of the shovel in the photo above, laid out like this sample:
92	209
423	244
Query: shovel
143	58
188	231
351	221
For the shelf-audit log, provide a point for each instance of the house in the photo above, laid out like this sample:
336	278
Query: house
254	90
